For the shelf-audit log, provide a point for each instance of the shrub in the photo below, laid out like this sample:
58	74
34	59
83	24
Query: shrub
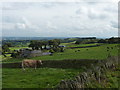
51	50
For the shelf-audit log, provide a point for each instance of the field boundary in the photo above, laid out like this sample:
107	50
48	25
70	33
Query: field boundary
57	64
96	73
83	46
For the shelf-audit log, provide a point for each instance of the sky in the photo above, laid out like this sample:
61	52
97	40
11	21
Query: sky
59	19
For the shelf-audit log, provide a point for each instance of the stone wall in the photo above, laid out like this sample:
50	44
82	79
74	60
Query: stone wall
95	73
84	46
57	63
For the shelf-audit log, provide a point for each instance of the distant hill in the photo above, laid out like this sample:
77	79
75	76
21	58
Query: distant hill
43	38
31	38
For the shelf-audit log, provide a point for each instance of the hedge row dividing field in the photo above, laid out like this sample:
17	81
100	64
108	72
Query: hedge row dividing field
56	64
78	45
84	46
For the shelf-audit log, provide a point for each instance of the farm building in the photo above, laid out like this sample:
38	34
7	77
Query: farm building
62	46
24	53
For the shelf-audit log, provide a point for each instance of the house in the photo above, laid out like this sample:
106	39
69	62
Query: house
35	53
29	53
62	46
25	53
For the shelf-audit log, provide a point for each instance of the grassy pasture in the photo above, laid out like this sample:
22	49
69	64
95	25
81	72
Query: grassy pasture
5	58
16	48
39	78
99	52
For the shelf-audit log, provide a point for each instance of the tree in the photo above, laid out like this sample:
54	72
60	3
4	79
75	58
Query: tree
102	41
36	44
77	42
61	49
45	43
51	50
5	49
56	43
9	44
114	40
39	44
32	44
50	43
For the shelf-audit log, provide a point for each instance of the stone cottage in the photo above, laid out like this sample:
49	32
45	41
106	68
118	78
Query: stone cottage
25	53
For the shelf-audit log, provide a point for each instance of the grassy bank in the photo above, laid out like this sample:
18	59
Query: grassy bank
39	78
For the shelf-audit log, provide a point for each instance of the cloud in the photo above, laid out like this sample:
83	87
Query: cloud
50	25
20	26
94	14
60	19
114	24
14	5
82	10
7	26
97	10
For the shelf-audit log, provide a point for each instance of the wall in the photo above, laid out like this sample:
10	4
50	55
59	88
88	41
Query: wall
95	74
57	63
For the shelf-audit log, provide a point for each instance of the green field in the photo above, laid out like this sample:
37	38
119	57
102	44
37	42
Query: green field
11	50
17	48
99	52
50	77
39	78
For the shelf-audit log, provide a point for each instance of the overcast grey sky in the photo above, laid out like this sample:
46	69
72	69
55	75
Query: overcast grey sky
59	19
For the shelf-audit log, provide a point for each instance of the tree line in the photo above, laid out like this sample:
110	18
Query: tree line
53	45
111	40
